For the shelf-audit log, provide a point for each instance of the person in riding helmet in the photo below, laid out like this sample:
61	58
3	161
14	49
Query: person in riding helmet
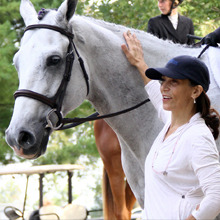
170	24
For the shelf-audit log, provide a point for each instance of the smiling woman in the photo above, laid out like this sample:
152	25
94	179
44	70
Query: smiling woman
177	94
183	162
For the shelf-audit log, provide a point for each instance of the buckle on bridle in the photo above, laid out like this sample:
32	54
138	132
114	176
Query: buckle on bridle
50	118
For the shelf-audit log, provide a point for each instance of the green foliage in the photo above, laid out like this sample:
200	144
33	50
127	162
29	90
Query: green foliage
9	192
7	72
7	154
98	191
133	13
205	15
8	75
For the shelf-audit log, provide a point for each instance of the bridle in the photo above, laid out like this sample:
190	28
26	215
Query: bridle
56	101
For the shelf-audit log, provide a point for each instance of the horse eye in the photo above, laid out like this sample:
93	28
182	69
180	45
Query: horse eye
53	60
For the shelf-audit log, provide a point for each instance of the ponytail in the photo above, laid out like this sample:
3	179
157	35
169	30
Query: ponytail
210	115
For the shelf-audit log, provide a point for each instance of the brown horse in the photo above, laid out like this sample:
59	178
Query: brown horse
118	199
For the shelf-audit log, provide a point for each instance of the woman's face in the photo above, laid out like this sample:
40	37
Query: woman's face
164	6
177	94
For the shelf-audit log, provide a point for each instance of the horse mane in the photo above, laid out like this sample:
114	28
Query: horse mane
150	43
118	29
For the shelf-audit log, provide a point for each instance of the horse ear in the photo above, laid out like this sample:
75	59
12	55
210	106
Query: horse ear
67	8
28	12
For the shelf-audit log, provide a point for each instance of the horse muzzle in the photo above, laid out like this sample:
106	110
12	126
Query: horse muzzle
26	144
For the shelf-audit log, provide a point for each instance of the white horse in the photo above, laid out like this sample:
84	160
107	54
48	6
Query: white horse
114	83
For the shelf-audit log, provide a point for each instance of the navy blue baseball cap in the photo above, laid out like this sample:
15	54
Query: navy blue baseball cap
183	67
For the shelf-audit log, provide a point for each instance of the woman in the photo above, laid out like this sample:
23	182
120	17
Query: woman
170	24
182	170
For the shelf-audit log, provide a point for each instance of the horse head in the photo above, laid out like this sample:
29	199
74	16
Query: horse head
41	63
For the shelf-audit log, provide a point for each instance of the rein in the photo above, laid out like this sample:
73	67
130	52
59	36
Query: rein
199	44
77	121
56	101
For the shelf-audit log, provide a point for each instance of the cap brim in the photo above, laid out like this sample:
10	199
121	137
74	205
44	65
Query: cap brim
157	73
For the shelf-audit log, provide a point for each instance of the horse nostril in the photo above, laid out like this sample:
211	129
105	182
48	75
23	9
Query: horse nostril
26	139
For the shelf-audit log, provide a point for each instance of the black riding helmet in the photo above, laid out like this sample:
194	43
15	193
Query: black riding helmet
175	4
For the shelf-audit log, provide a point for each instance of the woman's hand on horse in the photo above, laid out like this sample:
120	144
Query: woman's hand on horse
134	53
133	50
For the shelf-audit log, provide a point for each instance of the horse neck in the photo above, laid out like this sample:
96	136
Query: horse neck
114	83
109	71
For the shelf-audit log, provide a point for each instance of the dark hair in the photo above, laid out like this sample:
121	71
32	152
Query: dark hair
210	115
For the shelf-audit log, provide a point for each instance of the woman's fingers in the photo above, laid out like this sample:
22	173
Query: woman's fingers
133	49
134	53
125	49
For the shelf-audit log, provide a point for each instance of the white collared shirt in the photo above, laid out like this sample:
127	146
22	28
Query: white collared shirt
174	20
183	170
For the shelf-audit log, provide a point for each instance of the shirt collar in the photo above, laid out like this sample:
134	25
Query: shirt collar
195	117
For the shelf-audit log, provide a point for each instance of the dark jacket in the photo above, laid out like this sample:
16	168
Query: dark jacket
162	27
